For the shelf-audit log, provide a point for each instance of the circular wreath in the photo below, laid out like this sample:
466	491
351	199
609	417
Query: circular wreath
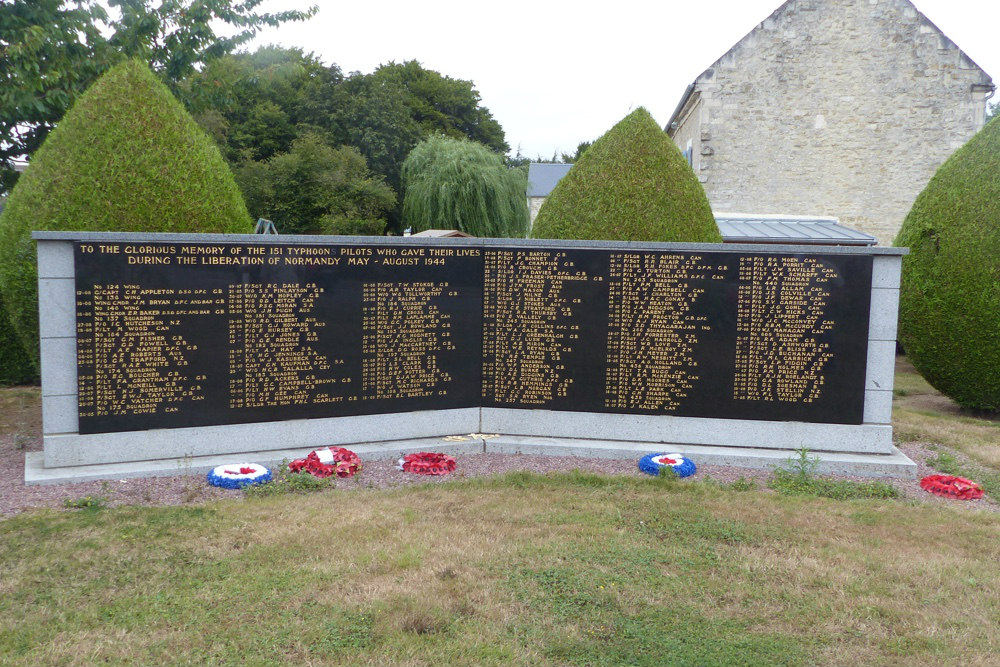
238	475
950	486
328	461
427	463
651	464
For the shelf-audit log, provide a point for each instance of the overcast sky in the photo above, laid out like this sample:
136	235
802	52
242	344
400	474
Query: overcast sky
557	72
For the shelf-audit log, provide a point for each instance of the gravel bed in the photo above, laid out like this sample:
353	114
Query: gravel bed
15	497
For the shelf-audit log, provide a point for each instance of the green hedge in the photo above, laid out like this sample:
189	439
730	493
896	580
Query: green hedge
633	184
949	312
15	364
126	157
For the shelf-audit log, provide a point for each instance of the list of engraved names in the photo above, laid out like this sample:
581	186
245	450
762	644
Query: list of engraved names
201	333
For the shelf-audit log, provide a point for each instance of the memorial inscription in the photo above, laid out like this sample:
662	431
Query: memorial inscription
172	335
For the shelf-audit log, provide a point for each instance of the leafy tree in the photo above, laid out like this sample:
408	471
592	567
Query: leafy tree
373	117
992	111
559	157
440	104
256	104
460	184
632	184
50	54
53	50
317	189
949	310
127	157
575	157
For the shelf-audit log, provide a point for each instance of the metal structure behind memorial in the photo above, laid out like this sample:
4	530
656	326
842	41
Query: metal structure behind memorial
160	346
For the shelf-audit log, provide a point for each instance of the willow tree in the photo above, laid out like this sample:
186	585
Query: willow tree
460	184
632	184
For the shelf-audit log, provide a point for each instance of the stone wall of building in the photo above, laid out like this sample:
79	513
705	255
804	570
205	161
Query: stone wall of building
534	204
832	107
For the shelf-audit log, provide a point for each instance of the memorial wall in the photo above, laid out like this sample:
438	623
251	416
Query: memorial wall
186	334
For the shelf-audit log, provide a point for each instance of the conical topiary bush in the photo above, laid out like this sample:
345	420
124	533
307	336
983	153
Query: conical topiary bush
949	311
631	185
126	157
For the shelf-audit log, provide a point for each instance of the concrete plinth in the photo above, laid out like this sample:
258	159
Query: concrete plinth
894	464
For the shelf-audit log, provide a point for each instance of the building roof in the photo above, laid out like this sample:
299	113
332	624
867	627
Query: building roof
543	176
797	229
734	227
946	42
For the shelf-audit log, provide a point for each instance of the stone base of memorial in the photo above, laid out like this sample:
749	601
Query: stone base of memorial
166	353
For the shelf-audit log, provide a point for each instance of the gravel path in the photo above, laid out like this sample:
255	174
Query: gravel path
15	497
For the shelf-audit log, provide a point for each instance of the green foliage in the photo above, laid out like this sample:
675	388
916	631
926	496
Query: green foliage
949	310
284	482
743	484
316	189
54	50
632	184
442	105
126	158
15	365
557	157
798	478
347	227
460	184
50	55
374	118
256	104
92	503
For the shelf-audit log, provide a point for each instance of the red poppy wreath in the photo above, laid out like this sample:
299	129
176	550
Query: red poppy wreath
328	461
427	463
950	486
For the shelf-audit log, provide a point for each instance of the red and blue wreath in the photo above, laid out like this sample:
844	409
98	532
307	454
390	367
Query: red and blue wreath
427	463
238	475
950	486
652	464
328	461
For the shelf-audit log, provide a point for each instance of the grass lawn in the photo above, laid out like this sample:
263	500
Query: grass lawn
525	569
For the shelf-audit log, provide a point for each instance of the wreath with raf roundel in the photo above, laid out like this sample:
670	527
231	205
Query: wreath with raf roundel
328	461
238	475
427	463
652	464
950	486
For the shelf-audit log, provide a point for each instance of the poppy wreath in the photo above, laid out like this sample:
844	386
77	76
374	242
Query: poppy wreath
427	463
651	464
328	461
950	486
238	475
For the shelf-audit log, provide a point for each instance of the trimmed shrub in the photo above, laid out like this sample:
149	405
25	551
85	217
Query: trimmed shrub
126	157
949	311
632	184
15	365
461	184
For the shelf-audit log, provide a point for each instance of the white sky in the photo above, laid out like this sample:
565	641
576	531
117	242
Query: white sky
557	72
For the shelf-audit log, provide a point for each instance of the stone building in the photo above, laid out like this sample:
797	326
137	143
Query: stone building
542	178
831	107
